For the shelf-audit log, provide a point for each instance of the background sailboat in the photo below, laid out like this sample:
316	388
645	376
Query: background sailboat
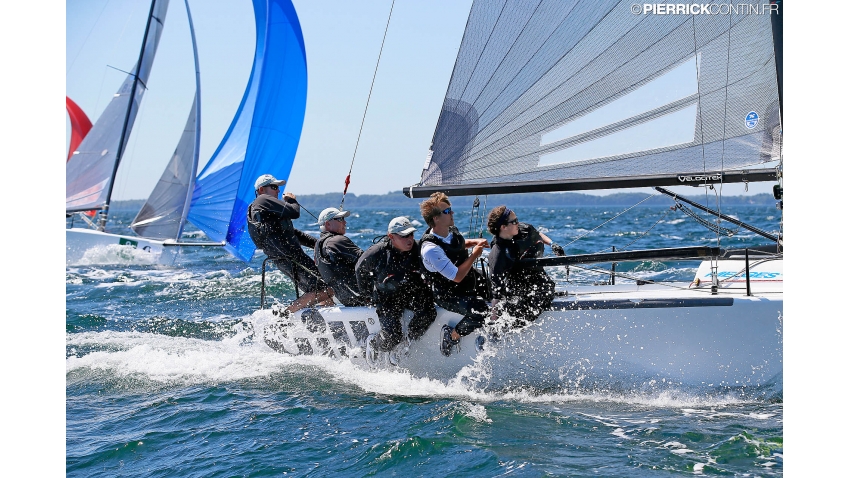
160	222
80	125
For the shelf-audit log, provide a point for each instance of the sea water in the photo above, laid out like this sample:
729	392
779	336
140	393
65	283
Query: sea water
161	380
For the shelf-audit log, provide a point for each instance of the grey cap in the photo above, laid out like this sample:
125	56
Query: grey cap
266	180
401	226
329	214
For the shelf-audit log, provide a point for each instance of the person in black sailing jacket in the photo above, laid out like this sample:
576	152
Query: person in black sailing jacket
336	255
458	286
391	272
270	227
520	289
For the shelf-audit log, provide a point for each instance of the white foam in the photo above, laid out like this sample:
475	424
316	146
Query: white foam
117	254
182	360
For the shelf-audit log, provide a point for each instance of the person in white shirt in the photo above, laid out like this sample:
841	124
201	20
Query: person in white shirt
458	286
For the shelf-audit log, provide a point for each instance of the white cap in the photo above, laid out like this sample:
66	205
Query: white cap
330	214
401	226
266	180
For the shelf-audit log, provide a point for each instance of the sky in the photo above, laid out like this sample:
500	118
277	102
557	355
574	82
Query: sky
342	40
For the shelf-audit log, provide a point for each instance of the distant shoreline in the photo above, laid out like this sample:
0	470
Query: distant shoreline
397	199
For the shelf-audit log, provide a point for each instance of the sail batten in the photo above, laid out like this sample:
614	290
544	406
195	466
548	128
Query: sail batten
555	90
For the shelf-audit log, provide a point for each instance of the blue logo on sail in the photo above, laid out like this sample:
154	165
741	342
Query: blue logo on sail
751	120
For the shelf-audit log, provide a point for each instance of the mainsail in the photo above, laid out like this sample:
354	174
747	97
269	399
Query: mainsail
90	172
164	213
573	94
264	134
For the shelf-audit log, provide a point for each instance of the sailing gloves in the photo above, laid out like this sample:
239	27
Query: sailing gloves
558	250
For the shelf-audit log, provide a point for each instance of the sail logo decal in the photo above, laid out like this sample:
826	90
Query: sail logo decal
753	275
703	178
751	120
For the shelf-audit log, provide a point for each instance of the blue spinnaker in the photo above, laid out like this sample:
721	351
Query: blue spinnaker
263	137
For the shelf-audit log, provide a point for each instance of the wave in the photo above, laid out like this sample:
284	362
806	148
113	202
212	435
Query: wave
175	353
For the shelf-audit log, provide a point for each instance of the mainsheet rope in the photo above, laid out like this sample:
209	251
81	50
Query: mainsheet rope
351	167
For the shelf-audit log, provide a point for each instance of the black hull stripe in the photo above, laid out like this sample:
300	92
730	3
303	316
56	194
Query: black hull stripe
559	305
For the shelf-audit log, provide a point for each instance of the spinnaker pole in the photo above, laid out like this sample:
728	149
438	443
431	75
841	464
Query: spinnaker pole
719	214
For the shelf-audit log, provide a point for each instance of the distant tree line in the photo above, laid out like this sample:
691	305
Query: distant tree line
317	202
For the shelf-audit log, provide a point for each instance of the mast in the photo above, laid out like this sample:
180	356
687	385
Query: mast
101	225
776	24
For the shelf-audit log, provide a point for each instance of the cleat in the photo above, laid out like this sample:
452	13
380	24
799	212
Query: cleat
446	343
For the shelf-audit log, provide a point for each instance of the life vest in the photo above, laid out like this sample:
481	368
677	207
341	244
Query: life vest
270	233
472	284
337	274
507	269
528	242
393	270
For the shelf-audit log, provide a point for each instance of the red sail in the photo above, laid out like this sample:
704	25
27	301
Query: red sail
80	125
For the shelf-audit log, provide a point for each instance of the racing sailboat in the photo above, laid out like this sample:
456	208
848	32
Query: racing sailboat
93	165
552	95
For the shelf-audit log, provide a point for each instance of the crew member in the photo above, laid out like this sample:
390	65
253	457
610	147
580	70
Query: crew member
336	255
270	227
458	286
391	273
522	290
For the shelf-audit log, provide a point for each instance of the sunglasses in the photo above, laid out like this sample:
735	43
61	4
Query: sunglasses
274	187
447	210
403	236
514	221
340	219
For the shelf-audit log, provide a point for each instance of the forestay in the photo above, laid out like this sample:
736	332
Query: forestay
593	94
264	134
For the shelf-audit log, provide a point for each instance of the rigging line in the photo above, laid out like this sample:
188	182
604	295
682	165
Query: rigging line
715	228
369	97
718	198
88	35
308	212
646	232
609	220
671	285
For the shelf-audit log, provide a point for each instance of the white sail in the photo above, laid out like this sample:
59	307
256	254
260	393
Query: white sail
583	93
164	213
90	171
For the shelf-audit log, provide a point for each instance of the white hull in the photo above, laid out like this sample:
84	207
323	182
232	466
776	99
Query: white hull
621	335
90	246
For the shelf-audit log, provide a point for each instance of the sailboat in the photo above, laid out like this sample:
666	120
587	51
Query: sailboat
92	166
80	125
553	95
264	134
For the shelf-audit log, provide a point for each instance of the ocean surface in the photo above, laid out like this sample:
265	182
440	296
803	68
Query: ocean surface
160	381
